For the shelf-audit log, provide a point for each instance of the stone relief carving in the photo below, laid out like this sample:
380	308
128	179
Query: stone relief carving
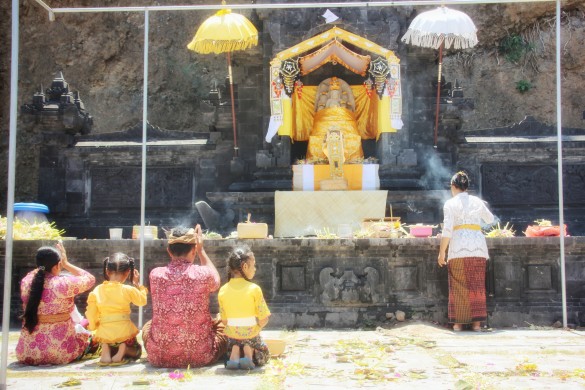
349	286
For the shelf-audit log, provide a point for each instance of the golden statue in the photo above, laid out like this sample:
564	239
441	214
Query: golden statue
333	149
334	109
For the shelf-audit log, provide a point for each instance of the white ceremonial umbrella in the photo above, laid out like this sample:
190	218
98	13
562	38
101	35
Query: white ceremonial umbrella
438	28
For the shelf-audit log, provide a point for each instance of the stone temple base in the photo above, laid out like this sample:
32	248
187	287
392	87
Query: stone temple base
349	283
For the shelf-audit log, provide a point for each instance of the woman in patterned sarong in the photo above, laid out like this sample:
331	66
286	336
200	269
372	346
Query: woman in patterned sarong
48	333
467	256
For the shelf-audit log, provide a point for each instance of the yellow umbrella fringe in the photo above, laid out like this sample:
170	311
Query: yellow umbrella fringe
217	47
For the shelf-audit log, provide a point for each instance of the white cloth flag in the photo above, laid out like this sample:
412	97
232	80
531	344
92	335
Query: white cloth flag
330	17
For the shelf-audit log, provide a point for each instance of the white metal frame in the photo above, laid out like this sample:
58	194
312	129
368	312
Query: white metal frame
374	4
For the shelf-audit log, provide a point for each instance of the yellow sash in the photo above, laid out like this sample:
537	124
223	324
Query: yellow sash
114	318
467	226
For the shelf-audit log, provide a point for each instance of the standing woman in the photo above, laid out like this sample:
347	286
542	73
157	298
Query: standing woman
467	255
48	333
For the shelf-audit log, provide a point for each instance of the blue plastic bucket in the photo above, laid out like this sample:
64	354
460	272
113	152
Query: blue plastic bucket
31	212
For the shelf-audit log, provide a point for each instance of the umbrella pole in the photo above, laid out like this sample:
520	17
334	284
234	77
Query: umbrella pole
438	94
229	61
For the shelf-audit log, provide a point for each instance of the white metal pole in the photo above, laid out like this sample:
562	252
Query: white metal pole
253	5
560	165
144	136
10	195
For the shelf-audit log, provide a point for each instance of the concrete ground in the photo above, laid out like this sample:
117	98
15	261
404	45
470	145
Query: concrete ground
414	354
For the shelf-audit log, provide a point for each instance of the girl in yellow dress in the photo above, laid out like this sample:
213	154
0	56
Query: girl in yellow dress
108	310
243	312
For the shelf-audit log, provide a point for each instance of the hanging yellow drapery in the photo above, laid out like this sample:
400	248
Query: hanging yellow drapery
303	112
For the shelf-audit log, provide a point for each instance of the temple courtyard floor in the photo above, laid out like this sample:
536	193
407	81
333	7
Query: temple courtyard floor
413	354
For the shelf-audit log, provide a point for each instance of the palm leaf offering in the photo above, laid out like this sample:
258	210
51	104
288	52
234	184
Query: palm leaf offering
498	231
543	222
25	230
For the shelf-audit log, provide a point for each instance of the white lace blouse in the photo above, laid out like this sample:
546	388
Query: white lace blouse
465	209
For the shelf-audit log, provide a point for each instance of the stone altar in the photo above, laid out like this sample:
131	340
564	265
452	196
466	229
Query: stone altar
305	213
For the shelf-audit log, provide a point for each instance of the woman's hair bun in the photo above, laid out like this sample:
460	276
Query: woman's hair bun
460	180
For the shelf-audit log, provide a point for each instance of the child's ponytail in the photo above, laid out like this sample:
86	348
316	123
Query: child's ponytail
106	263
237	259
131	262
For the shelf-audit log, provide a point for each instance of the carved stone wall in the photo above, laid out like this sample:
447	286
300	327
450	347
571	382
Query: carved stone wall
346	283
96	184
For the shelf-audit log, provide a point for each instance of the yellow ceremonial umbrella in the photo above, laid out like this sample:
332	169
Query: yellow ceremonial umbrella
225	32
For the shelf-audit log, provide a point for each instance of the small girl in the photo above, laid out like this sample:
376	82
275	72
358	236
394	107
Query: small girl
244	312
108	310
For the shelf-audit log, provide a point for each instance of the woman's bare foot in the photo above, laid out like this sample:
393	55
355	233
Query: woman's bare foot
457	327
476	326
106	356
117	358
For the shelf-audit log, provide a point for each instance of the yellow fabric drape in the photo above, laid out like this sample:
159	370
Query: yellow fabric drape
286	129
334	51
342	119
303	111
383	119
366	112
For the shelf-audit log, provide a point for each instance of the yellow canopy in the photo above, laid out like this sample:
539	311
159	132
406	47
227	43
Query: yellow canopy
339	34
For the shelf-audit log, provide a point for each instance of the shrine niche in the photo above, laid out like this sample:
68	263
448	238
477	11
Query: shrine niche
355	112
374	106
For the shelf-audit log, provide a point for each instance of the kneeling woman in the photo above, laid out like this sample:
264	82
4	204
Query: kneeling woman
48	333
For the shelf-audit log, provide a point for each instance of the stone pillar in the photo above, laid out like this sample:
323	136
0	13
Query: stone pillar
281	150
386	149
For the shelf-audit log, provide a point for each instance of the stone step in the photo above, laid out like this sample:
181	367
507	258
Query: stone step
400	184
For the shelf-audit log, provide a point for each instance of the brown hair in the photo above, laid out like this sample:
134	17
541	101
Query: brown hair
460	180
238	257
118	262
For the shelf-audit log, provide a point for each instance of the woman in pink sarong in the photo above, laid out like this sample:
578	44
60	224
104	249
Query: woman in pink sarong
182	332
48	333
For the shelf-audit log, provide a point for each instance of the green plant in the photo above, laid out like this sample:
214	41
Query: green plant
523	86
513	47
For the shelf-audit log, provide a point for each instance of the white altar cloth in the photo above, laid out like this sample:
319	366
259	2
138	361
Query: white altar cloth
302	213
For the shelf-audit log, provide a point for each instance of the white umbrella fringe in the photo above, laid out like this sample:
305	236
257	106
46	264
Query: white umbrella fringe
429	28
460	41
